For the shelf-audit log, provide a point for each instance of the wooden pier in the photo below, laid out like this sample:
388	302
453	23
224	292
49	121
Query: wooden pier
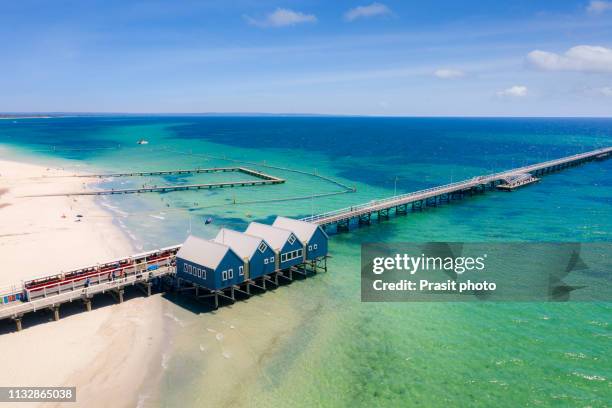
81	285
147	269
263	179
431	197
198	170
154	269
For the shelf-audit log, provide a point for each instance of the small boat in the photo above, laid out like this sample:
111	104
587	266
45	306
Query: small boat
208	221
143	142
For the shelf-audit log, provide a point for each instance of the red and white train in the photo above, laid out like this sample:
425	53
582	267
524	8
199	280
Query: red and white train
91	275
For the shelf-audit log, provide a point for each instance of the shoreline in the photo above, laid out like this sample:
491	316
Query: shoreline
101	352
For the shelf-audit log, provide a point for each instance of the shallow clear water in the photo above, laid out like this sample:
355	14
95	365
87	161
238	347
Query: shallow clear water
326	347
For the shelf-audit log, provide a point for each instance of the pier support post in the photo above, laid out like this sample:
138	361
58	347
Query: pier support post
343	226
18	325
383	214
87	302
118	295
56	315
145	287
364	219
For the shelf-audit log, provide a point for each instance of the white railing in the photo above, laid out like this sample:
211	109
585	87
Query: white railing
355	210
136	257
80	291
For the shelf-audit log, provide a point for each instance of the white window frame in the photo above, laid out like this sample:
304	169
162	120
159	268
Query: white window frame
262	247
315	246
283	257
266	261
291	239
310	247
271	259
230	273
185	267
299	253
224	275
241	270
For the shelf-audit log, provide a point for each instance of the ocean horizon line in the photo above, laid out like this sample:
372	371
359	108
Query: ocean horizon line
62	114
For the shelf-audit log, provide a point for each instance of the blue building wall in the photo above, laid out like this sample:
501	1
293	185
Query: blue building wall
289	249
229	272
188	271
257	265
317	246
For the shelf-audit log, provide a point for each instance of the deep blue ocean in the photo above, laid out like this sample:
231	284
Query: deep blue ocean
313	343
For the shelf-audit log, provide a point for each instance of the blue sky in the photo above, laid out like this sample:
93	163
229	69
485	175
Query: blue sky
414	58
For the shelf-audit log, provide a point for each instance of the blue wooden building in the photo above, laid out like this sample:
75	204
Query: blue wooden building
256	253
209	264
312	236
289	250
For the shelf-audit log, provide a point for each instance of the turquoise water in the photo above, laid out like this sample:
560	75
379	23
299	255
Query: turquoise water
326	348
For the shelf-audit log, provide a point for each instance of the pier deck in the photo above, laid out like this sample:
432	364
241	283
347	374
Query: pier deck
432	196
264	179
49	292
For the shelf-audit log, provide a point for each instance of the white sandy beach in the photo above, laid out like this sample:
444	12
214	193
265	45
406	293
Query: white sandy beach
105	352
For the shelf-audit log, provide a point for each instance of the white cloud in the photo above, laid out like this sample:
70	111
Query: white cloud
605	91
373	10
517	91
582	58
282	17
598	6
447	73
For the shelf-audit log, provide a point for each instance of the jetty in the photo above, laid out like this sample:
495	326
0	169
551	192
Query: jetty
49	292
513	182
363	214
154	267
260	179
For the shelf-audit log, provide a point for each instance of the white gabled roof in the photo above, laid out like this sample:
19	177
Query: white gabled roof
275	236
203	252
243	244
302	229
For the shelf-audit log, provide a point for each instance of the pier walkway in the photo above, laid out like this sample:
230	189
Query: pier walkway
113	277
262	179
437	195
147	269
